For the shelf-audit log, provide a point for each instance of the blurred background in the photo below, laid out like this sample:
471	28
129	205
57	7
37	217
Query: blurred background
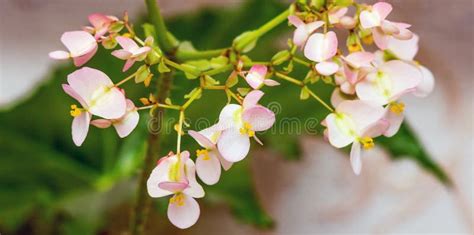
295	184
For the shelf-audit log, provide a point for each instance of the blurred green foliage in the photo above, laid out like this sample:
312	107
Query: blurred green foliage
50	186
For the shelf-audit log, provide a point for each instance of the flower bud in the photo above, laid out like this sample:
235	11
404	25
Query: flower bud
347	22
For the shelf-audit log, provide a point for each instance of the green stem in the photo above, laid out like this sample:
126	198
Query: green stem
241	44
182	55
140	212
156	19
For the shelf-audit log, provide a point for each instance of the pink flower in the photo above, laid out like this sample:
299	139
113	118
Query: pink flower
175	175
406	50
321	48
382	29
256	77
336	14
81	45
239	123
123	125
97	95
209	160
356	122
355	67
131	52
389	82
101	24
303	30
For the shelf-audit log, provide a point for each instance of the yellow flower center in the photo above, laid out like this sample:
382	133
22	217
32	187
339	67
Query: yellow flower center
75	111
367	142
368	40
354	47
247	130
204	153
178	199
397	107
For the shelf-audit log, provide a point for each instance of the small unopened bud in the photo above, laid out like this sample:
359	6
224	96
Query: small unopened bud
347	22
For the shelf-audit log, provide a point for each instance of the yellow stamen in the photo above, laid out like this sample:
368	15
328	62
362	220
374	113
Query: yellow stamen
368	40
178	199
367	142
247	130
75	111
204	153
397	108
354	48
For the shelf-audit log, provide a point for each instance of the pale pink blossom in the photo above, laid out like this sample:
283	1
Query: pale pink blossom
382	29
123	125
240	122
355	122
131	52
209	160
321	48
354	68
303	30
175	175
406	50
97	95
100	24
389	82
256	77
338	18
81	47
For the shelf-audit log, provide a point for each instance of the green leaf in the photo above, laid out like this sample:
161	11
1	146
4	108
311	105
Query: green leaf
218	62
405	144
142	73
163	68
281	57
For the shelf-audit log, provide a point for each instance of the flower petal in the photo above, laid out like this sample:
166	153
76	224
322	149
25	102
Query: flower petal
336	135
101	123
185	215
129	63
270	82
110	105
68	89
295	20
259	118
233	145
126	124
157	176
201	139
355	158
174	187
78	42
395	121
362	113
327	68
383	9
122	54
230	117
252	98
404	49
81	60
195	189
80	127
359	59
426	86
127	43
59	55
256	75
321	47
225	164
99	20
405	77
380	38
208	167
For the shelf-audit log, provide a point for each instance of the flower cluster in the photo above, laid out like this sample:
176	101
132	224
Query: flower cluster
368	87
